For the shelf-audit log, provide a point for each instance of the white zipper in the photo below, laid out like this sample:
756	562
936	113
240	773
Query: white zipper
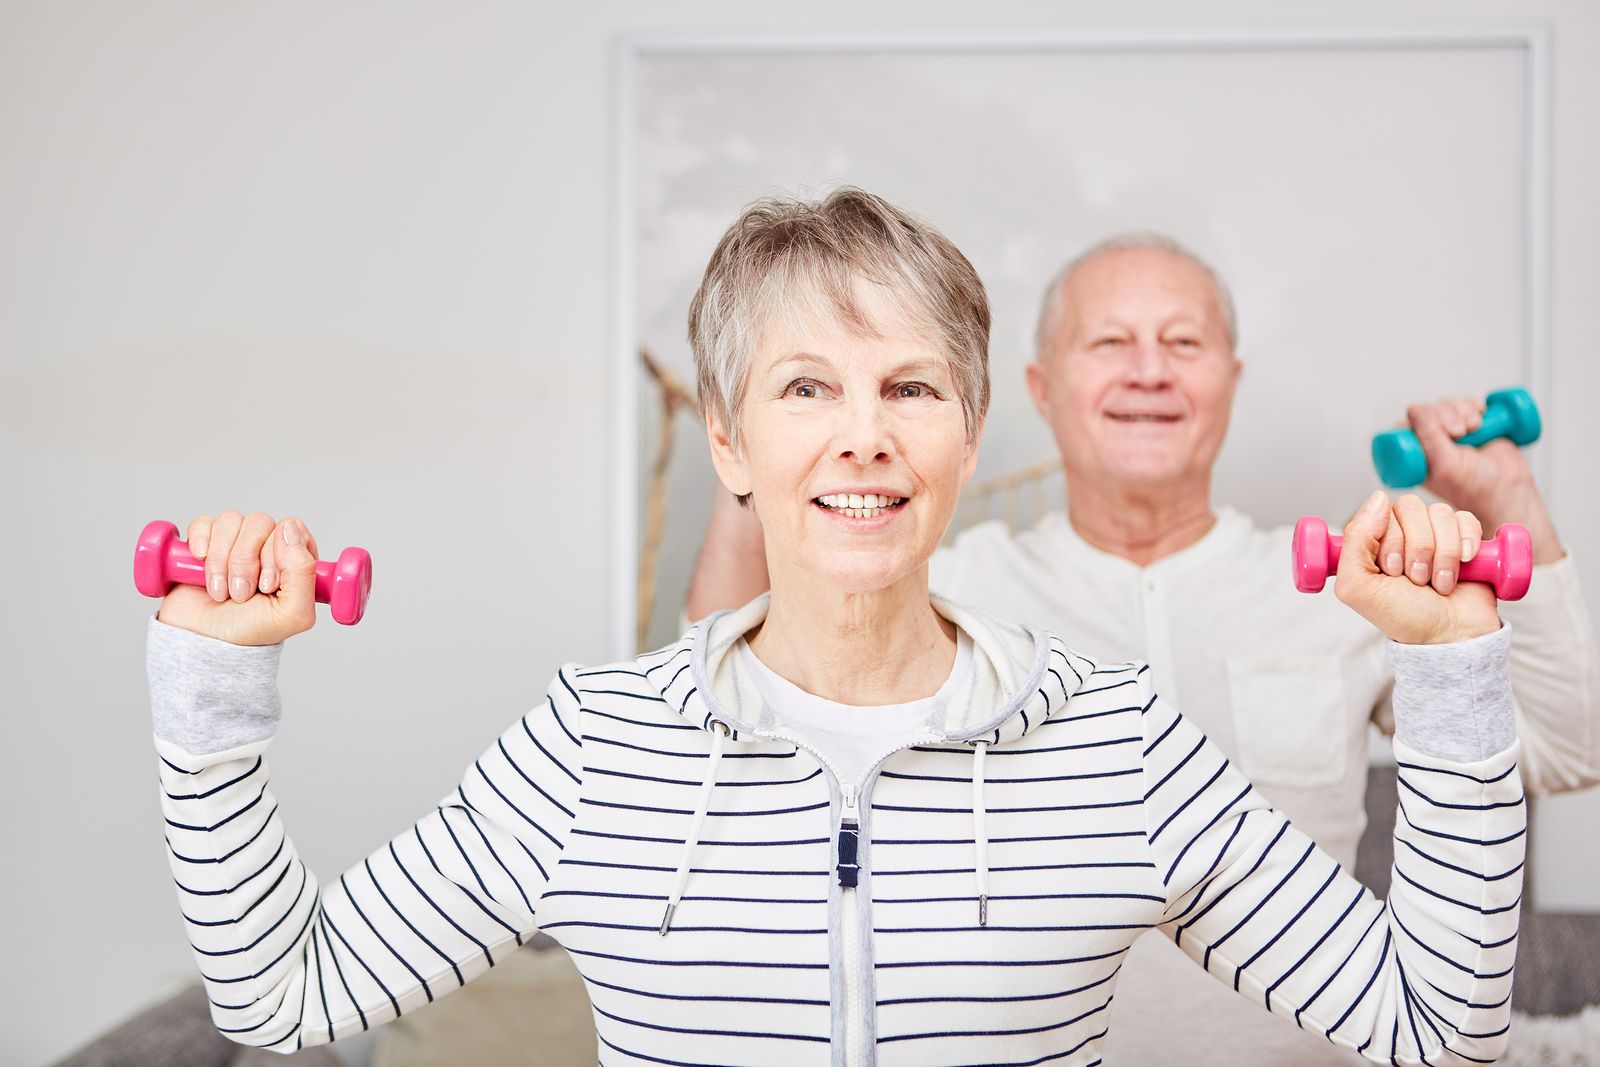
855	1055
850	915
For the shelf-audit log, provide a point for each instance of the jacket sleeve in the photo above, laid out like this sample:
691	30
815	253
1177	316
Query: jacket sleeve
289	961
1555	672
1423	977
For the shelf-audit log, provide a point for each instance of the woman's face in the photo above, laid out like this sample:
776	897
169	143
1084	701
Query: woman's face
853	448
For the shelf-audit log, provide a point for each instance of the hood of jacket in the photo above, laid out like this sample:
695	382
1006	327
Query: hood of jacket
1015	684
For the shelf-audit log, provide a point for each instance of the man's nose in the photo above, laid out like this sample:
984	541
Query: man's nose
1149	363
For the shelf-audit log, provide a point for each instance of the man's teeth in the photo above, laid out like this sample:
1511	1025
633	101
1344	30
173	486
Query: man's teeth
860	505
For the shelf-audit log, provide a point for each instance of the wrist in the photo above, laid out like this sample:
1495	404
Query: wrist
1522	503
1459	633
1455	702
1505	500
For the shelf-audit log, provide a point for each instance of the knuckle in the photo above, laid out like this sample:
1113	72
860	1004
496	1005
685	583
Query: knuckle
198	533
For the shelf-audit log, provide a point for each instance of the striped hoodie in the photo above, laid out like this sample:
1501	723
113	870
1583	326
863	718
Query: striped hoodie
729	901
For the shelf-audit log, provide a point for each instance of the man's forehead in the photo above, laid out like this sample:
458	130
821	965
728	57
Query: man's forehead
1147	280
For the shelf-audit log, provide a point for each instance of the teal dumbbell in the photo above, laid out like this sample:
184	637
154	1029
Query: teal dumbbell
1508	413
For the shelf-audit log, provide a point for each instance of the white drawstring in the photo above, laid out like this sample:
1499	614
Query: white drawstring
979	832
719	734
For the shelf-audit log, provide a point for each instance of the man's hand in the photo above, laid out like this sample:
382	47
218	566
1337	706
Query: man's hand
1493	481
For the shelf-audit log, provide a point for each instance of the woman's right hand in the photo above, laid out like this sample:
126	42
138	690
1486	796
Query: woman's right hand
261	580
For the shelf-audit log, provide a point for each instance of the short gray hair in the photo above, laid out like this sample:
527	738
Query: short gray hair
781	254
1054	308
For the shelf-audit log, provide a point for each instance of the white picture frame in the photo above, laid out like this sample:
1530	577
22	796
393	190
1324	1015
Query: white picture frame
1522	141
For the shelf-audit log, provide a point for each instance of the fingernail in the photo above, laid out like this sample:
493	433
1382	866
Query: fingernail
214	586
1392	563
1468	550
1419	570
268	575
292	534
239	588
197	548
1444	580
1374	502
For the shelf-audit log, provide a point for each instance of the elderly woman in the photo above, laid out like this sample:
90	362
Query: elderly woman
850	822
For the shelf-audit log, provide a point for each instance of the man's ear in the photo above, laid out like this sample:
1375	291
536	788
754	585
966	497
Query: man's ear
726	458
1038	388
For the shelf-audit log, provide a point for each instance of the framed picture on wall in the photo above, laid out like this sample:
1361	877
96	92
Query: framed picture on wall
1375	200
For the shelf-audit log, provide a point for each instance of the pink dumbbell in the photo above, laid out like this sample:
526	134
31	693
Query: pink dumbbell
161	560
1505	562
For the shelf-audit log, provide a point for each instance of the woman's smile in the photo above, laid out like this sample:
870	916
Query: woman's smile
861	512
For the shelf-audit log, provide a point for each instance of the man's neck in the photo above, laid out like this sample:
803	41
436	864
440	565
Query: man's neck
1140	525
883	647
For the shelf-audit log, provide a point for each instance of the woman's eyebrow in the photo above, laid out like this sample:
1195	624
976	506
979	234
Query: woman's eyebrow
804	359
925	368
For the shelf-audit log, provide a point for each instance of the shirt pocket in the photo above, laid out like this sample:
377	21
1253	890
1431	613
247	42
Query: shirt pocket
1288	719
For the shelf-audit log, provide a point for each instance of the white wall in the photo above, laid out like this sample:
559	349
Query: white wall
352	261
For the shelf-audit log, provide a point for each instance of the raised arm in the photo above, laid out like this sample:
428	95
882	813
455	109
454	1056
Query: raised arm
1555	660
1425	976
287	960
1421	978
731	570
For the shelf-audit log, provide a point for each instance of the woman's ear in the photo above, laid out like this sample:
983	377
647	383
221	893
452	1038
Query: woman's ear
726	457
969	462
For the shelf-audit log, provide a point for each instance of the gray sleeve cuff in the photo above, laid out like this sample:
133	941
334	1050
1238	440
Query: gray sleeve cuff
1454	701
207	695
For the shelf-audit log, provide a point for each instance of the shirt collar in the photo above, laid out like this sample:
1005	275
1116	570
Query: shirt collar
1226	534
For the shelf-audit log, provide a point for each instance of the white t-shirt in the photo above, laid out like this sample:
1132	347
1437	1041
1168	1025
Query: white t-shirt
853	738
1286	685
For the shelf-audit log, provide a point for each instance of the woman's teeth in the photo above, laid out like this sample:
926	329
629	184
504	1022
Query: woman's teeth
860	505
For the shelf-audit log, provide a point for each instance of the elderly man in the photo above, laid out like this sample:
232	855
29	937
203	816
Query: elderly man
1136	373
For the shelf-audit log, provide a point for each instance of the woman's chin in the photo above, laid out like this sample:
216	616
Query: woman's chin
862	577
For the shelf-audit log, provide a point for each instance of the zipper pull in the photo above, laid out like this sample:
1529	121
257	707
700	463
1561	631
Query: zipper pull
849	836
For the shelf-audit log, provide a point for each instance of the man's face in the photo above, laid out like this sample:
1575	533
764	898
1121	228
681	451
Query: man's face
1140	379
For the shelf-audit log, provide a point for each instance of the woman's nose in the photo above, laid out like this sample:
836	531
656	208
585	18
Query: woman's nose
863	435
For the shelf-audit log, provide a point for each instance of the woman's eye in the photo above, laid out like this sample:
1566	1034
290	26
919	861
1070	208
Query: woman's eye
916	391
804	389
1107	342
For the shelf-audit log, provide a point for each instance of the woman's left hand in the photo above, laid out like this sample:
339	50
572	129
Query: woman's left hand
1399	566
